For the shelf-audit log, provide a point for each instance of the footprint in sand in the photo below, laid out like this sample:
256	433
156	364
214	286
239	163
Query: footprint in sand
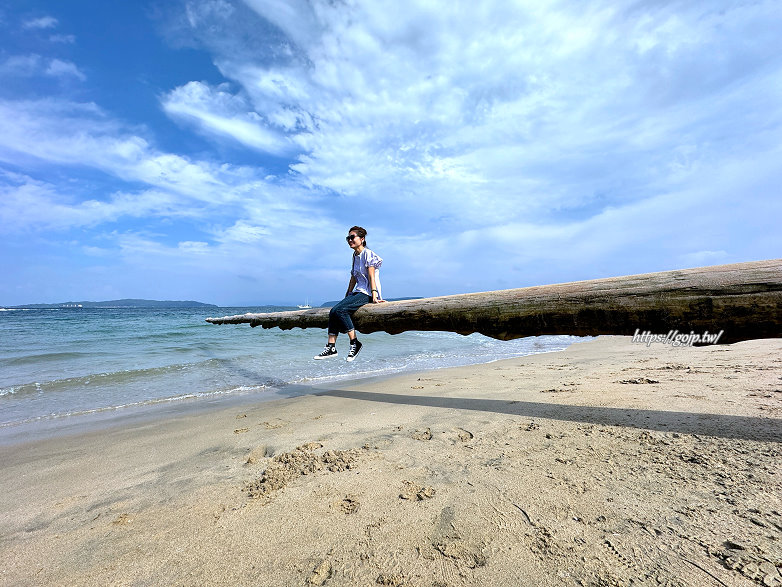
273	425
413	492
463	435
320	574
349	505
450	543
310	446
639	380
394	580
241	430
422	434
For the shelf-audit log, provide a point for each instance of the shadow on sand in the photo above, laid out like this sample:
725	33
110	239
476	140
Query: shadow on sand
725	426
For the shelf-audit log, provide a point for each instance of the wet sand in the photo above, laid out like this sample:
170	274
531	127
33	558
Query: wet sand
611	463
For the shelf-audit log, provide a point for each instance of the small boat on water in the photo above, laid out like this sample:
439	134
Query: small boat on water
305	305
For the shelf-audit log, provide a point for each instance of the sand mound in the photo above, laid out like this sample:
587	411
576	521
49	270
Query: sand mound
302	461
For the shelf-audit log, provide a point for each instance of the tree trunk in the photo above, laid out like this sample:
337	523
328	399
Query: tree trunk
744	300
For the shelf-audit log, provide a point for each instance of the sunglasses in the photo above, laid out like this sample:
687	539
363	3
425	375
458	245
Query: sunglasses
350	237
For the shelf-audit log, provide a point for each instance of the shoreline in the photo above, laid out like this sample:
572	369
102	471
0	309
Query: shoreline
107	418
606	462
111	418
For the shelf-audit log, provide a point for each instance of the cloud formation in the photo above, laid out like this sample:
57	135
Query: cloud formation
554	109
44	22
502	144
34	65
218	112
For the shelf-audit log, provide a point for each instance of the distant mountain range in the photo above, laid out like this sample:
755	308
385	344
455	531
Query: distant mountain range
134	303
118	304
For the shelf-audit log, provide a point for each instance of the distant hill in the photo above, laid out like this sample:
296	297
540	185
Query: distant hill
334	303
128	303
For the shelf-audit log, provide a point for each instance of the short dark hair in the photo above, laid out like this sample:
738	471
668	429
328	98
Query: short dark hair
360	232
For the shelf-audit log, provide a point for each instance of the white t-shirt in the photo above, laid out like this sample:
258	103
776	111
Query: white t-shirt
361	262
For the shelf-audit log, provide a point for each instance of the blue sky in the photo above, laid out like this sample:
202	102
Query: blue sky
219	150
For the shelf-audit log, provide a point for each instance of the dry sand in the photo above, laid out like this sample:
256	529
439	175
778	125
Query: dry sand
607	464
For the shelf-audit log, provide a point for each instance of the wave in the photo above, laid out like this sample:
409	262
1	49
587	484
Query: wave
138	404
431	361
153	375
98	379
43	357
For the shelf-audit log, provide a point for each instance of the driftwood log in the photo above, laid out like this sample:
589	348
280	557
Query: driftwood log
744	300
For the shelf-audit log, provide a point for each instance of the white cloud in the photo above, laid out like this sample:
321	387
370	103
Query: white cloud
27	203
244	232
80	134
44	22
702	223
193	247
579	141
66	39
219	112
492	111
33	65
204	13
248	217
296	18
21	65
60	68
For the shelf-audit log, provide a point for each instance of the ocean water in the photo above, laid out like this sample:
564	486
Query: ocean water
60	364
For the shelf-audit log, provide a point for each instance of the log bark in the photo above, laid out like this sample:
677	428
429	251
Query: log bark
744	300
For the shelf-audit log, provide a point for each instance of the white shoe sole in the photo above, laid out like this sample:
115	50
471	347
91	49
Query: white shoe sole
326	357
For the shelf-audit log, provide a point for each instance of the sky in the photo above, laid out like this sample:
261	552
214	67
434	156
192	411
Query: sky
219	150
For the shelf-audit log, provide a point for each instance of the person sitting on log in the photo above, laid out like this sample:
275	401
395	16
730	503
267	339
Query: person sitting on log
364	287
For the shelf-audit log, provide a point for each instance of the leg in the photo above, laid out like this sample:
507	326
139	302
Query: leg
340	321
340	315
336	325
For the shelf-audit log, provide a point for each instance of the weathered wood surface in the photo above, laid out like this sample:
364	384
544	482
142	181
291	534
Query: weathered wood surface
743	299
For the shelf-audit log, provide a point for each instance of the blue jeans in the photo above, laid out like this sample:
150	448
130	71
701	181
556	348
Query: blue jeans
339	315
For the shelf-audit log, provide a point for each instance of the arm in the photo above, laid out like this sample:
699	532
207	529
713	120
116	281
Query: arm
351	285
373	285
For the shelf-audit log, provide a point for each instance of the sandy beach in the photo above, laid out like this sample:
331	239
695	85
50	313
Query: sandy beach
610	463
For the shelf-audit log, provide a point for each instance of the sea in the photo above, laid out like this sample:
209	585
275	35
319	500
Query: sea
64	366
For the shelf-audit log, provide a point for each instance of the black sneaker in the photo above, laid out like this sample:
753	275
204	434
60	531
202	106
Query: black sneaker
328	352
355	349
